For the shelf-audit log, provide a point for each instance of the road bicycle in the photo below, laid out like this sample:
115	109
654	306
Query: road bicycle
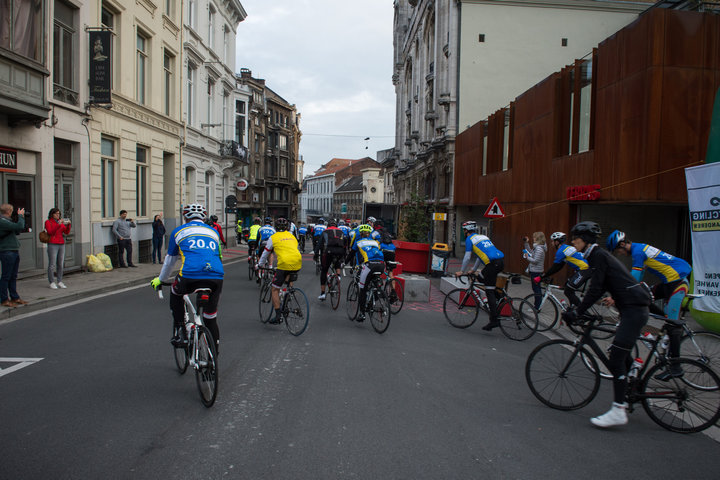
564	375
551	308
377	306
333	288
393	289
199	349
301	244
518	318
252	264
294	305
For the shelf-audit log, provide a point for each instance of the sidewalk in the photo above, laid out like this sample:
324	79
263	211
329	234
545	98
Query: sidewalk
36	291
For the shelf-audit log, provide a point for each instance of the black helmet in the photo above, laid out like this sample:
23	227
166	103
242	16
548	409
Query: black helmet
257	221
588	231
214	218
321	221
379	223
332	223
268	220
281	224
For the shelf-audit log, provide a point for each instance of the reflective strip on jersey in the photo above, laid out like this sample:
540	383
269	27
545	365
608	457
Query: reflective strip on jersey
253	232
368	250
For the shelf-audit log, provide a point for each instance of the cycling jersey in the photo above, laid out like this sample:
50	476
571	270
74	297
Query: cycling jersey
375	235
198	247
668	267
367	250
318	230
285	246
482	248
345	229
352	237
266	232
568	253
302	230
253	232
293	229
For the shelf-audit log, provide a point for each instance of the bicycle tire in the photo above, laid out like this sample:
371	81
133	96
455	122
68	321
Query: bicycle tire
318	267
296	311
608	329
251	268
395	295
380	309
558	378
458	309
351	301
522	323
206	372
708	344
678	406
548	314
181	355
610	320
334	289
266	306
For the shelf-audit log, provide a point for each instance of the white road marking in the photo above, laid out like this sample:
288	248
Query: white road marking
19	363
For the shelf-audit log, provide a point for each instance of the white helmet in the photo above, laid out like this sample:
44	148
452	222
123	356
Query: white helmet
559	236
194	210
470	226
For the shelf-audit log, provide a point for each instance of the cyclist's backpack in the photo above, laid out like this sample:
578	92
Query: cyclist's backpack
335	240
385	237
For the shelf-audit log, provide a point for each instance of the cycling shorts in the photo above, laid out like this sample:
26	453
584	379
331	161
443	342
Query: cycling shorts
281	276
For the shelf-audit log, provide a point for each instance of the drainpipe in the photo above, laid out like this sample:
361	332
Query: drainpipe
85	122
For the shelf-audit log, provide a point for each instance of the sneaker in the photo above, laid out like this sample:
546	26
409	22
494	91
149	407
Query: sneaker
360	317
673	371
322	297
54	286
61	285
178	341
617	415
491	324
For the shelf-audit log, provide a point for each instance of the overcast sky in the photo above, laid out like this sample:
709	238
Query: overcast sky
333	60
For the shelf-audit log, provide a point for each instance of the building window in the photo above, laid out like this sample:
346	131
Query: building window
141	67
211	26
141	158
108	161
283	168
209	192
282	142
585	105
168	65
506	141
226	44
21	28
192	13
191	79
578	108
210	103
64	53
63	153
169	5
109	20
240	122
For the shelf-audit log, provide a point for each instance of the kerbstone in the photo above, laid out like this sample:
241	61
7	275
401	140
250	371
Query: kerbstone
417	288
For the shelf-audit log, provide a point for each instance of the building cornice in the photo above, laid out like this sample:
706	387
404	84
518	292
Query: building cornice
144	115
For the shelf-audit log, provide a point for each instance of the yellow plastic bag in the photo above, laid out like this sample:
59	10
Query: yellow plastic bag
94	265
107	263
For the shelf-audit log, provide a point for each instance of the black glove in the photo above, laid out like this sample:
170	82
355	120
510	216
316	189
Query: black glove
570	317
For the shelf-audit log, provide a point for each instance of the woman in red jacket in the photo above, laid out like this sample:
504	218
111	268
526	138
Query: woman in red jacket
56	228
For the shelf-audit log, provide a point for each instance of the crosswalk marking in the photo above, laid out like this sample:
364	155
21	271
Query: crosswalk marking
19	363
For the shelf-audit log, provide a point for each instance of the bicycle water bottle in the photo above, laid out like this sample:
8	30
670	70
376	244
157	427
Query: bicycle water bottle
635	368
648	338
189	327
664	342
564	304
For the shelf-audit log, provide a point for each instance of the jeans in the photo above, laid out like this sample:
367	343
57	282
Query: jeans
157	243
56	259
536	288
10	261
124	245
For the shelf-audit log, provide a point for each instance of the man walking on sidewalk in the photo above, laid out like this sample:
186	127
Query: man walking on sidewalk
121	229
9	256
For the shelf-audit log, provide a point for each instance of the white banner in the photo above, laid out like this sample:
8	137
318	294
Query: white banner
703	185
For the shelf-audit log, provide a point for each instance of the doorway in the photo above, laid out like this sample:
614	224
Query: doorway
19	192
64	201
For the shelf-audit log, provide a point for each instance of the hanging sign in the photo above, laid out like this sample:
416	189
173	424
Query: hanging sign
440	216
494	210
242	185
100	66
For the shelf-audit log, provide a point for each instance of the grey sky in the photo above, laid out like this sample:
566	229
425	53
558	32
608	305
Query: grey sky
333	60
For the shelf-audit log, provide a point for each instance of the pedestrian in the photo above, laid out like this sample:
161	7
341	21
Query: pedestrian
158	237
536	258
57	229
121	229
9	256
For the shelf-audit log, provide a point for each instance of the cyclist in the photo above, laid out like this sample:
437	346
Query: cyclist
317	232
386	245
285	246
352	237
632	300
301	239
199	247
264	233
493	262
368	254
293	229
672	288
332	249
213	222
342	226
253	237
567	254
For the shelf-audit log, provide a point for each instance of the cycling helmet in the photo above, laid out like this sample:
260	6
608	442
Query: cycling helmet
378	223
354	225
214	218
470	226
559	236
257	221
194	211
281	224
587	231
341	223
365	228
371	220
321	221
332	223
268	220
614	239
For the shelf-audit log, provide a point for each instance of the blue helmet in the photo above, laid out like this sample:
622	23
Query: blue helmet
614	239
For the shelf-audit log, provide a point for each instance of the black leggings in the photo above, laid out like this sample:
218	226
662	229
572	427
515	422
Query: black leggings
182	286
632	319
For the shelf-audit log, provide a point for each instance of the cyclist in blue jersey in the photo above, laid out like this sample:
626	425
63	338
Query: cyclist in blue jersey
492	260
264	234
198	244
351	238
302	233
317	233
672	272
567	254
343	227
386	245
368	254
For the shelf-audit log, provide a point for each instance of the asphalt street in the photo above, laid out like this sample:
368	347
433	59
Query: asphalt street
422	401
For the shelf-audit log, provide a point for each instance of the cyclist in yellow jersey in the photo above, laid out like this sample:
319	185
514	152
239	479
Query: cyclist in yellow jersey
253	237
289	259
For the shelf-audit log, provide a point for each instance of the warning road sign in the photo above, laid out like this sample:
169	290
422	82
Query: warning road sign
494	210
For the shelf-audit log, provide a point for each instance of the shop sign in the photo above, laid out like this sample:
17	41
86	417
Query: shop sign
440	216
8	160
583	193
242	185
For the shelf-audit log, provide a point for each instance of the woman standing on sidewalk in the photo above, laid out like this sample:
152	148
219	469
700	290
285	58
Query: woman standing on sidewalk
157	238
536	257
57	229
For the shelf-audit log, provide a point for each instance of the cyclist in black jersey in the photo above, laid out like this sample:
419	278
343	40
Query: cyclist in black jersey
631	299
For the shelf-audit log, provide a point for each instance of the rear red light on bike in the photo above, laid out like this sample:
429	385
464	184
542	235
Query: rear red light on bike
205	298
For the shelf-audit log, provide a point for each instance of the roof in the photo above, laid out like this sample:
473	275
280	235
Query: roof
333	166
352	184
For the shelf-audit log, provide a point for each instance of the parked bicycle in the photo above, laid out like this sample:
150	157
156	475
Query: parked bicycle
294	305
199	350
518	318
564	375
377	306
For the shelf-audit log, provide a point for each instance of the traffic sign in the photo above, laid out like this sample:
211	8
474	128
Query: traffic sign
494	210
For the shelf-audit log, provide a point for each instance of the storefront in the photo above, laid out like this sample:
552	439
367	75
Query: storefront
17	187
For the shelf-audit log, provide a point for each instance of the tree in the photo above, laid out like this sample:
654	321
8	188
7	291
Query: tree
416	220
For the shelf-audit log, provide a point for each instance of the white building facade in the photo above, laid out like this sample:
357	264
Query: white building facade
319	197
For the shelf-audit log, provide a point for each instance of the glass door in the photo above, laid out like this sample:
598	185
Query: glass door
64	201
20	194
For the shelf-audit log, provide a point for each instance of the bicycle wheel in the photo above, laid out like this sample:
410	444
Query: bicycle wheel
181	355
548	314
610	319
296	311
380	309
678	406
251	268
459	308
206	372
351	302
395	295
520	321
334	291
266	305
558	378
703	347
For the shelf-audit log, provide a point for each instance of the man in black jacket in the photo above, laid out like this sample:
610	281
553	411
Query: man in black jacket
631	299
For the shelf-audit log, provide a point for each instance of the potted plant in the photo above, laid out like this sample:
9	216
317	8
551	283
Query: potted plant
413	250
